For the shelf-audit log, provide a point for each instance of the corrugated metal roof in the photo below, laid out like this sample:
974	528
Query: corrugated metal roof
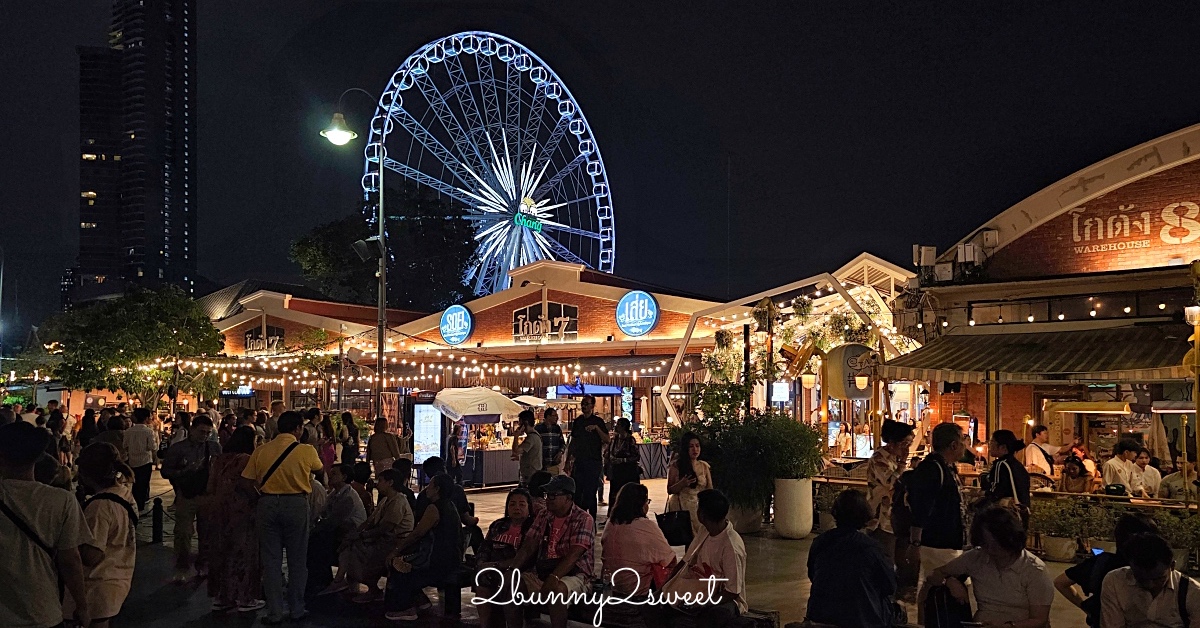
223	303
1135	353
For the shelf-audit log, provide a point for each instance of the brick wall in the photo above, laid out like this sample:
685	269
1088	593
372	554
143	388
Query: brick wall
235	339
1144	224
1016	400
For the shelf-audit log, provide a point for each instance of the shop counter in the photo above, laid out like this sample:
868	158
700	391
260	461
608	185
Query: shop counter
491	466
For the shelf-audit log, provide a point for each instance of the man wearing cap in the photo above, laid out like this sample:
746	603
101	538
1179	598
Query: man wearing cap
561	538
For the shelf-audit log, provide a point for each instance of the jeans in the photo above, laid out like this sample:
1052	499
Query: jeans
587	484
141	484
282	522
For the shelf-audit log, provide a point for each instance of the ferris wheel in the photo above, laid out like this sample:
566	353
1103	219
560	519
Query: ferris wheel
482	121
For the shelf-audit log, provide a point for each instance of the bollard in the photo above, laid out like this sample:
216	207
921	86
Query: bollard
156	521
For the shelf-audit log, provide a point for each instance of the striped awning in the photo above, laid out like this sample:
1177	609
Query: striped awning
1139	353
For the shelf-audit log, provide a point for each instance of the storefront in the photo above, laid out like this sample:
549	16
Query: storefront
1075	295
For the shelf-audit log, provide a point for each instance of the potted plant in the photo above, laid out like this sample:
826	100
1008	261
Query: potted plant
823	501
1059	523
794	458
1099	521
1179	533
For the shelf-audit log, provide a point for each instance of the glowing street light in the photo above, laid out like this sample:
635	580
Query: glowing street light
337	132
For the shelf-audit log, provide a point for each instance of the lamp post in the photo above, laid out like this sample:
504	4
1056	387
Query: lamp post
1191	314
1	306
339	134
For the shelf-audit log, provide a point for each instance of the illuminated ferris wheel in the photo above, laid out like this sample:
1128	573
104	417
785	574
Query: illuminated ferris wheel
479	119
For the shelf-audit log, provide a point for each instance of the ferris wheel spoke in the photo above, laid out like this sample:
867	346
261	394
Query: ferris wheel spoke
424	179
466	99
549	225
559	176
533	123
467	149
563	252
512	106
431	143
487	84
551	144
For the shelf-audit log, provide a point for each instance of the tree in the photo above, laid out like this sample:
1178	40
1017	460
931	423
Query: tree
134	343
431	247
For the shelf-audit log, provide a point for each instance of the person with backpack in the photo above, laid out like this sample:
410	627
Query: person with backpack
109	558
186	467
908	566
1008	481
935	499
1150	591
1088	576
41	529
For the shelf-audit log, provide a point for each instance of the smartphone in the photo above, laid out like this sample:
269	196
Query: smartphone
1096	551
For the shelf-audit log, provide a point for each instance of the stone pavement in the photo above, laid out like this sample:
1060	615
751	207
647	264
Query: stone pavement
776	580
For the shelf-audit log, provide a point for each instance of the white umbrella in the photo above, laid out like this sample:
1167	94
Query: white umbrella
476	405
530	400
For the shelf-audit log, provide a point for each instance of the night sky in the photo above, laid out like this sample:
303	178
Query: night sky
843	126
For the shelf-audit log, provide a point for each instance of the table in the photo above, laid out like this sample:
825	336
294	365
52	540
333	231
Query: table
491	466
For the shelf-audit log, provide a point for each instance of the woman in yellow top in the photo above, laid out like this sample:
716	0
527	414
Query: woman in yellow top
687	476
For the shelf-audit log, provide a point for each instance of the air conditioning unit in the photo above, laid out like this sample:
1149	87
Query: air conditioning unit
943	272
968	254
924	255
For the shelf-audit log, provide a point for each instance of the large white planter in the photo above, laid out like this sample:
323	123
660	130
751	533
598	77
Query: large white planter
1059	549
745	521
793	508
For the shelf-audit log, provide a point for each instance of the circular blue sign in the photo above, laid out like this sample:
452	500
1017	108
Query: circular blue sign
637	313
456	325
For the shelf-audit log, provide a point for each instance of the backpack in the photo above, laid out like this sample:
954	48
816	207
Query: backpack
901	509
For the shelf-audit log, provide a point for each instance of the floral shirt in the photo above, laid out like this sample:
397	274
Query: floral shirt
882	472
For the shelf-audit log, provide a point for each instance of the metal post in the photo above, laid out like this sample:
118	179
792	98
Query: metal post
341	362
1	307
156	521
380	219
746	366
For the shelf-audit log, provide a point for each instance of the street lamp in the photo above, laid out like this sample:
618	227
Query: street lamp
339	135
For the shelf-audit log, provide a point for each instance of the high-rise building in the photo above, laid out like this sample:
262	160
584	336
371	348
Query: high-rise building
138	148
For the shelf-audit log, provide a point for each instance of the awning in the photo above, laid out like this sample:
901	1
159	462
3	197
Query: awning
1089	407
1139	353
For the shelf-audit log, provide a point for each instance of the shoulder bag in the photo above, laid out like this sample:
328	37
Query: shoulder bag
109	497
676	525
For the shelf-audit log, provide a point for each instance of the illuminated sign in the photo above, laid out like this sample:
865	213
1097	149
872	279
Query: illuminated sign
256	345
530	325
637	313
521	219
427	432
456	325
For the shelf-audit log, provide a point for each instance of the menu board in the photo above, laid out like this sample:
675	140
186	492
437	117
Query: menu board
427	432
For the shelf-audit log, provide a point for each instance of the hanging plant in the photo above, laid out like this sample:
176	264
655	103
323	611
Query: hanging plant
723	339
765	312
802	306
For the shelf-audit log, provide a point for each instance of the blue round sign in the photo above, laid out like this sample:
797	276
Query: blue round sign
637	313
456	325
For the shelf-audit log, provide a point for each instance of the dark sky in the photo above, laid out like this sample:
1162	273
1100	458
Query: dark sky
846	126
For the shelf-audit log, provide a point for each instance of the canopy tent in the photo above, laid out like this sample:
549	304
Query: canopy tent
476	405
530	400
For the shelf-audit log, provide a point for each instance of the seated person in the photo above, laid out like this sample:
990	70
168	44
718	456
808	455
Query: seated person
504	538
1075	478
1175	486
632	541
361	483
363	552
403	466
343	513
717	552
1089	575
1011	585
560	541
1149	592
434	465
852	578
430	556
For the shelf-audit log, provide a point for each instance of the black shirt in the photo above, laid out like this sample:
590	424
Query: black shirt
851	580
1089	575
936	503
585	444
1007	474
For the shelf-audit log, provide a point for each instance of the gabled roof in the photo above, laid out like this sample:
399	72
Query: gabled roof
224	303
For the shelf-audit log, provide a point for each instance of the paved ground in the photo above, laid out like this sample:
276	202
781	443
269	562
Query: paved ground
776	579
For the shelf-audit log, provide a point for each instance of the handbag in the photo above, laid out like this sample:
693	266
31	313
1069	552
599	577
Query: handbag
418	557
943	611
676	525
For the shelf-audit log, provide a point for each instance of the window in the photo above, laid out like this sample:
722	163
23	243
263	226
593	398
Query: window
88	194
89	157
91	202
91	141
87	225
116	158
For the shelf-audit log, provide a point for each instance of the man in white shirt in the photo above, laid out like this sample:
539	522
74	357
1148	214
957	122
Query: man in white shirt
44	546
141	443
719	553
1040	453
1149	593
1119	468
29	416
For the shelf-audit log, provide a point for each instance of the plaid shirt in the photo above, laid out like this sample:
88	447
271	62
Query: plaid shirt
578	531
552	443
